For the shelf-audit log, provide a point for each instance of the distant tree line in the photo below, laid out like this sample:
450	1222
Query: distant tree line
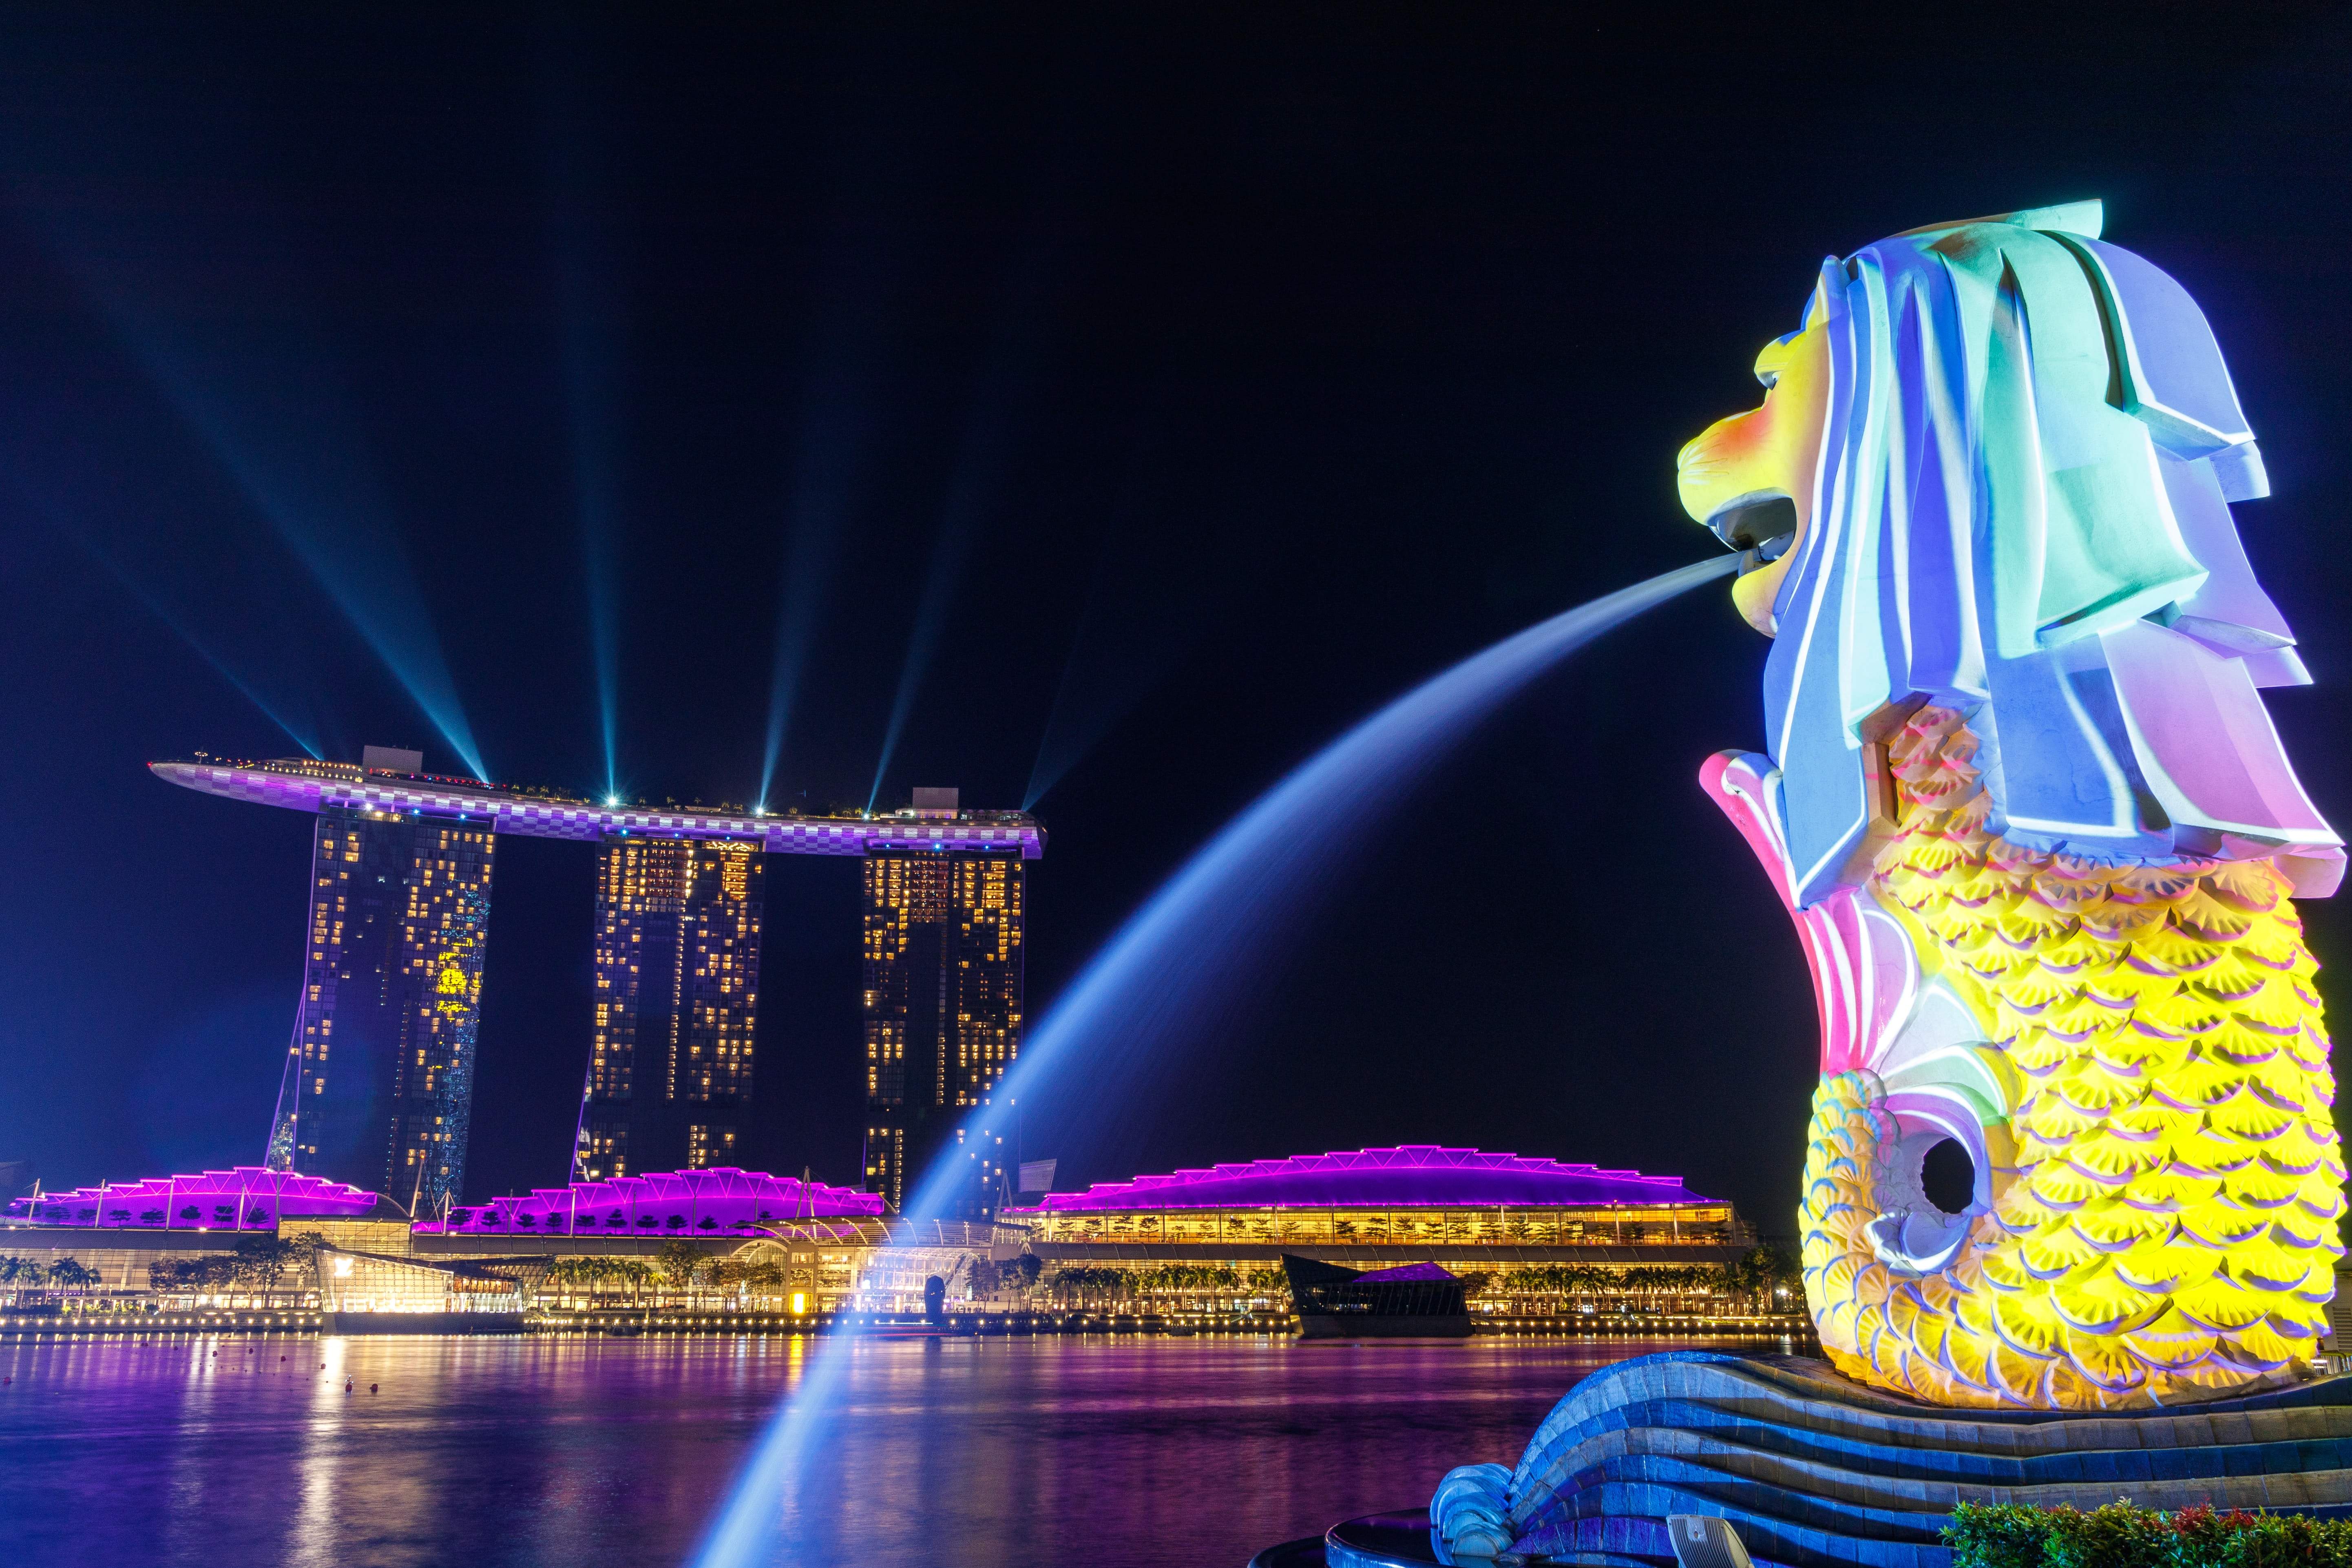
24	1276
1094	1285
680	1265
1755	1275
261	1266
1016	1276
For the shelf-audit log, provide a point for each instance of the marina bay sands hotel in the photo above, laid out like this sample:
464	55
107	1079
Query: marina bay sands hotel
379	1076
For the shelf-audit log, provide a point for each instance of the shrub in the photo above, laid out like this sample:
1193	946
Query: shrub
2113	1535
2119	1535
1997	1535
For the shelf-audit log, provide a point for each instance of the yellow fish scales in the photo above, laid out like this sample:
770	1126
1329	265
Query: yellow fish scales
2168	1230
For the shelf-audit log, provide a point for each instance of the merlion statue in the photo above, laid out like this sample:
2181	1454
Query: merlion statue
2035	828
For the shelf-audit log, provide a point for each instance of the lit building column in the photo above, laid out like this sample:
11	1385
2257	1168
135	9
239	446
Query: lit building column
670	1058
379	1085
943	1012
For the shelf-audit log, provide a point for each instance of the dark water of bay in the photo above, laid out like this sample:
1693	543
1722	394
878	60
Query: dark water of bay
585	1453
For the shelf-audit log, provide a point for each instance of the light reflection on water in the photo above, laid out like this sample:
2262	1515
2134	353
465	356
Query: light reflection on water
576	1453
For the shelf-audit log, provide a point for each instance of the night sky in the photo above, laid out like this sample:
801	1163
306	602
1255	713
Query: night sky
1127	398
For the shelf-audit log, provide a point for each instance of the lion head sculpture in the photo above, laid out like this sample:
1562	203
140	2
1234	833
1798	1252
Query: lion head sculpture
1992	472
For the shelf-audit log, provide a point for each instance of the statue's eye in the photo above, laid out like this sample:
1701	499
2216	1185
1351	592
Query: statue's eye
1770	378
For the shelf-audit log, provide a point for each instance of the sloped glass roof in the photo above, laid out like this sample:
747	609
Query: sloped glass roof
1411	1175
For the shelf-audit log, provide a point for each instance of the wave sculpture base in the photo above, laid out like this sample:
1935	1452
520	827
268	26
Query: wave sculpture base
1813	1468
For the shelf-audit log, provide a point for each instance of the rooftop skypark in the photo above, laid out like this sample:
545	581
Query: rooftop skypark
302	783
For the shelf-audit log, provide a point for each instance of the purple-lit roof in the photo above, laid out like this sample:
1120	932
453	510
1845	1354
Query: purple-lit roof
1414	1175
723	1199
247	1197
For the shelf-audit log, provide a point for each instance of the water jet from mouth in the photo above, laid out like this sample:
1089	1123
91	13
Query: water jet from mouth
1193	935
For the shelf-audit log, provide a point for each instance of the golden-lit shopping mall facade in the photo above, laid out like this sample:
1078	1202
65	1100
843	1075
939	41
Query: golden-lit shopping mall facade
1537	1238
1536	1231
1530	1228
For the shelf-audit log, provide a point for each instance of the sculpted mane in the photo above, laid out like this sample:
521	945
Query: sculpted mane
2034	825
2030	444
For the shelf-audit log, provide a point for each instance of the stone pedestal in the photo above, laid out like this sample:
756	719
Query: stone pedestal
1814	1469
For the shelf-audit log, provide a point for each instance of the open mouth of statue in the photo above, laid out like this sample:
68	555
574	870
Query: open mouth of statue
1760	527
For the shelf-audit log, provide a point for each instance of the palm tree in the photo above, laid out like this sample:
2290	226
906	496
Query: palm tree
580	1273
70	1274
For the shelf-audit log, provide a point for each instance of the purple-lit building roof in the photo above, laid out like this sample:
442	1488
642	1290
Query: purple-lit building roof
298	784
720	1200
1414	1175
249	1197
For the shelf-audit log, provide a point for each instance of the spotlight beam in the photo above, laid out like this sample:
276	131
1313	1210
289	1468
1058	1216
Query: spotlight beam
1134	628
155	607
836	437
948	553
981	461
589	297
1000	397
276	414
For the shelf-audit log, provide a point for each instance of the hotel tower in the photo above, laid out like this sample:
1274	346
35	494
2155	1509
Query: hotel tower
678	982
379	1079
943	1011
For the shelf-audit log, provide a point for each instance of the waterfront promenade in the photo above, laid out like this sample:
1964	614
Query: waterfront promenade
626	1323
